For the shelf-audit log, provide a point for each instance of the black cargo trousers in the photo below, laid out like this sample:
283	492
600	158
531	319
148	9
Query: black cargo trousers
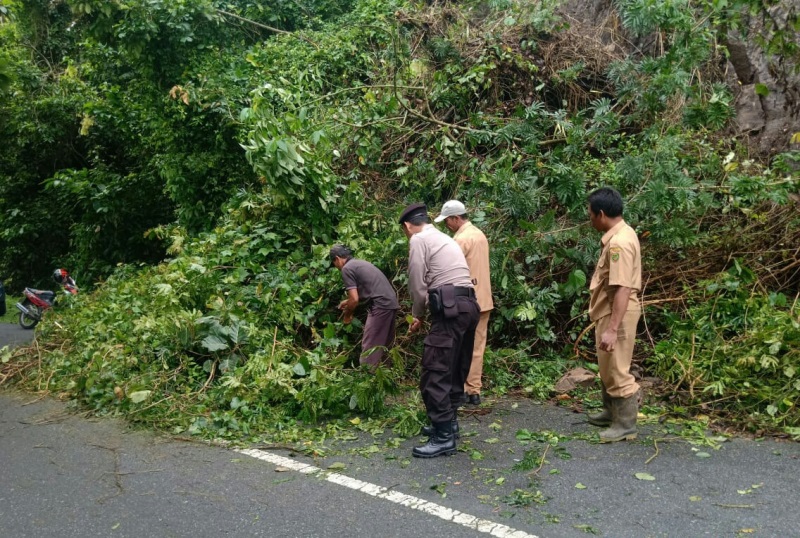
446	359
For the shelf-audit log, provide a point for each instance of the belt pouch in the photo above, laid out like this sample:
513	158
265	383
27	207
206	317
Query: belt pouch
435	302
449	305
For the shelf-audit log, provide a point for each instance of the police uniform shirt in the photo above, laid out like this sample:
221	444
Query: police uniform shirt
475	247
434	259
620	264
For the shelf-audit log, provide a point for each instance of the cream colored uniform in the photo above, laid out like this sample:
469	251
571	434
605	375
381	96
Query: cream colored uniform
475	247
620	264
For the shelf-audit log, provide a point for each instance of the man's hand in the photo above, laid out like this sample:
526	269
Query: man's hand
608	339
347	314
415	326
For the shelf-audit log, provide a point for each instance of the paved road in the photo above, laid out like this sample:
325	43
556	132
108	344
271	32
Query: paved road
13	335
65	475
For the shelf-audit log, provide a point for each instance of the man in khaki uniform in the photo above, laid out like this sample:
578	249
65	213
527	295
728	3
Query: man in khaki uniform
615	308
475	247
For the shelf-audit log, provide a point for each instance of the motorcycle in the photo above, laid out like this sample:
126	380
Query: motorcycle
36	301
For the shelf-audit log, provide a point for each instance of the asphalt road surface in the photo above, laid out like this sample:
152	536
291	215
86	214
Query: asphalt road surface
65	474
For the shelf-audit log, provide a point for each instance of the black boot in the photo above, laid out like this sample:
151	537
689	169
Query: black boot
441	443
427	431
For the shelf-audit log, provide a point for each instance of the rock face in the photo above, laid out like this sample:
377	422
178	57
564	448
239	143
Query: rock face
766	87
776	78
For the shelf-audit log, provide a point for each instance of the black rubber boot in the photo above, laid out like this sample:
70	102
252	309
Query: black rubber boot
602	418
427	431
441	443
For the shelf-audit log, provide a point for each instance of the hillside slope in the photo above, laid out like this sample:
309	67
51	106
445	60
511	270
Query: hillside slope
517	108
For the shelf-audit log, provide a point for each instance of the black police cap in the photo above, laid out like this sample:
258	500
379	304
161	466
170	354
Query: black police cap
414	210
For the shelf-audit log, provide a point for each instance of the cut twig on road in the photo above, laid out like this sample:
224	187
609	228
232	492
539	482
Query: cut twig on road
654	456
541	462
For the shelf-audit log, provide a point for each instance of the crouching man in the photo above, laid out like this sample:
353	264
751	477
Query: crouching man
366	283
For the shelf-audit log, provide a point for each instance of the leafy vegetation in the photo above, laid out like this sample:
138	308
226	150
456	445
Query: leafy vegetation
738	347
197	159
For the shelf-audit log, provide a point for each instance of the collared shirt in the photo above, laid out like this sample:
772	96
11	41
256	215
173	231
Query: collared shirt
475	247
372	285
434	259
620	264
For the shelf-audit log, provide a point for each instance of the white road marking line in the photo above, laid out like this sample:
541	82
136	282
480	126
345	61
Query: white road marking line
447	514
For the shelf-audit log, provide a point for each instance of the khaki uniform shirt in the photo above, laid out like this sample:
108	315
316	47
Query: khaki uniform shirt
620	264
434	260
475	247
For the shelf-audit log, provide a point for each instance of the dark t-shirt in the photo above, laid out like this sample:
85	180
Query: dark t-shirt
373	286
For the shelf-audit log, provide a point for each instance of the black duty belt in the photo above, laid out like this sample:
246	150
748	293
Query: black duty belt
464	292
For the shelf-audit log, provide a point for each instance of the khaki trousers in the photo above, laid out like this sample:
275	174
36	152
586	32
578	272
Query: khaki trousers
615	366
473	384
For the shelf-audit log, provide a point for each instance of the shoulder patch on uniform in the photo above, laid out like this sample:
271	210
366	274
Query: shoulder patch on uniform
615	251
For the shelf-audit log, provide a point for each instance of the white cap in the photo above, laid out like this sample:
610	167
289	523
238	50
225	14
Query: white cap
451	208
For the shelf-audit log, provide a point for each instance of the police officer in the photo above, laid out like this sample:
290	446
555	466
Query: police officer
439	280
615	308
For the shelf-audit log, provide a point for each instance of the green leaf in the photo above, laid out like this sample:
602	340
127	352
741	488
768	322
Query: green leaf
214	343
439	488
644	476
337	466
140	395
579	486
762	90
237	333
163	289
476	455
417	67
524	435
